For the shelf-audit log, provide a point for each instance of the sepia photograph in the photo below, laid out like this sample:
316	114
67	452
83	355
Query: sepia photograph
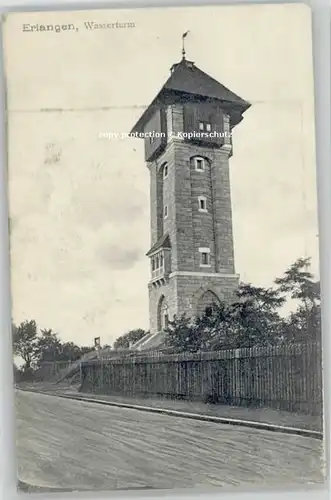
164	249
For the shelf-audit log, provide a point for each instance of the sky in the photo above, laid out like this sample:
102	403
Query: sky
79	203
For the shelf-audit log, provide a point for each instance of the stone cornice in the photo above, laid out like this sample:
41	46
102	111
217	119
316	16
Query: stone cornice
207	275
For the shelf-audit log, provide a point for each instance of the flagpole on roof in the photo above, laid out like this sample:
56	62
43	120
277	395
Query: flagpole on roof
183	43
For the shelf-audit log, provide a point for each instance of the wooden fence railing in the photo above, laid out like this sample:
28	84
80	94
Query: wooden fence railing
287	378
50	370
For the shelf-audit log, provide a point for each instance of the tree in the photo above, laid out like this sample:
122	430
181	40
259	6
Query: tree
36	348
71	352
217	327
256	313
129	338
263	299
182	335
49	346
252	319
85	349
25	343
298	284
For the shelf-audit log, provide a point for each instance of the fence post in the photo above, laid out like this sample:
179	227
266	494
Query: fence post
101	372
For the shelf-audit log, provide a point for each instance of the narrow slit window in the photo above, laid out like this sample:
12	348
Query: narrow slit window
165	171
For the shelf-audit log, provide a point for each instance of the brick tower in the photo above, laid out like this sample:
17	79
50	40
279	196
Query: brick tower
187	134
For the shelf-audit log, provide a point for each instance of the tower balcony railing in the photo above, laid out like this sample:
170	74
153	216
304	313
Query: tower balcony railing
159	276
158	273
160	266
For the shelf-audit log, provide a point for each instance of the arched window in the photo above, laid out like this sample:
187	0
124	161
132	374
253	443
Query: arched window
163	170
207	303
163	314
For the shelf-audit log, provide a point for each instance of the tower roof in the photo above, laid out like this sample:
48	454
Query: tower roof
163	242
188	78
190	82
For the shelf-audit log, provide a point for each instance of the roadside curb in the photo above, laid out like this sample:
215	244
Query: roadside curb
191	416
24	487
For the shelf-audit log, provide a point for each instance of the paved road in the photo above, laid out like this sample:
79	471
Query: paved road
82	446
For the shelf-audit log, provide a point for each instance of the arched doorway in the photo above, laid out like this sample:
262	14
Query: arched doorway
206	303
163	314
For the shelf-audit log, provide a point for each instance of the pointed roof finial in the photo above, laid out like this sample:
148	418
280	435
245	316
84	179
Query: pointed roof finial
183	44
